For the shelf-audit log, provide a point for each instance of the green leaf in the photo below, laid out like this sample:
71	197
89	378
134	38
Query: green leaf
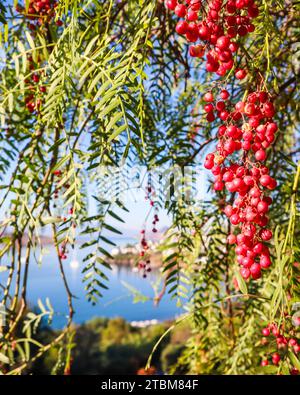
112	229
138	296
104	252
295	361
3	358
241	283
41	306
60	163
269	369
51	220
115	216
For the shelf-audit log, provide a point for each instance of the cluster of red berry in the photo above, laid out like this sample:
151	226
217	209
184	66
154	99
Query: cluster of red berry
216	25
63	247
39	12
250	130
155	220
36	90
283	343
63	251
247	127
151	195
145	264
58	177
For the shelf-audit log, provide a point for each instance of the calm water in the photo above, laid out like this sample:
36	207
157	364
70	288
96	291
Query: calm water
45	281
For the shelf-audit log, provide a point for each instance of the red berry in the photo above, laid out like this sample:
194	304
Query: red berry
182	27
210	116
233	46
235	219
266	331
208	164
294	371
255	270
245	273
276	358
224	94
240	74
204	32
171	4
35	78
223	42
208	97
265	261
265	234
260	155
249	109
292	342
296	348
195	5
240	4
265	180
228	211
192	15
197	51
180	10
231	239
218	186
208	107
262	207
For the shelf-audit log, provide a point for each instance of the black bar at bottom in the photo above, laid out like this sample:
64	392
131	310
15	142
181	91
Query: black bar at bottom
132	384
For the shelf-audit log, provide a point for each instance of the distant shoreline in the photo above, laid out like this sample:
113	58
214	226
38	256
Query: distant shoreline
127	256
132	259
